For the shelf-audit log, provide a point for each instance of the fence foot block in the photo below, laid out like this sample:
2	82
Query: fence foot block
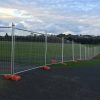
12	77
53	61
45	68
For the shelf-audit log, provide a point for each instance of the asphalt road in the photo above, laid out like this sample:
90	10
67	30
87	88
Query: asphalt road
81	83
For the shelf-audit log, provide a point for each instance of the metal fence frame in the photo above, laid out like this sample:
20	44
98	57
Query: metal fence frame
94	50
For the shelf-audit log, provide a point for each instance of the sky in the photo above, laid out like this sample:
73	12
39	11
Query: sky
52	16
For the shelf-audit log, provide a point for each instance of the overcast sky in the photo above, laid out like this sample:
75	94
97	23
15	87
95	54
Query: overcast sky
57	16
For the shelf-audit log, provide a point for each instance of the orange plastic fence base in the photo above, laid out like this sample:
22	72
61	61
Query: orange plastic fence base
45	68
12	77
53	61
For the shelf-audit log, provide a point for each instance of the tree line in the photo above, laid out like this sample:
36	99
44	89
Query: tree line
32	38
83	39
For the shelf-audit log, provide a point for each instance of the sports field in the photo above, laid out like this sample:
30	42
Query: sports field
32	54
69	81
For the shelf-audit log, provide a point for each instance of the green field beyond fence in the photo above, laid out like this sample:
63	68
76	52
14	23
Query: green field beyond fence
23	50
29	55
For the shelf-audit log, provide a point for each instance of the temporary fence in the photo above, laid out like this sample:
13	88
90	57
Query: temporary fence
67	51
53	50
22	50
5	50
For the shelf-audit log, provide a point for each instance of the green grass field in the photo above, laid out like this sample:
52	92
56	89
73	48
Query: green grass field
32	54
79	64
37	50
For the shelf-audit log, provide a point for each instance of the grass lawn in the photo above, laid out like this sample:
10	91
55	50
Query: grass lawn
84	63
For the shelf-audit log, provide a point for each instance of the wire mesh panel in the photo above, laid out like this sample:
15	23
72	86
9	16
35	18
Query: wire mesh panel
88	52
83	52
54	49
76	51
67	50
5	50
29	50
91	51
23	50
97	49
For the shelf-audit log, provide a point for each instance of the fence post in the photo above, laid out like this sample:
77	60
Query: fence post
80	52
73	55
94	51
85	53
88	53
45	48
12	49
62	50
97	50
91	52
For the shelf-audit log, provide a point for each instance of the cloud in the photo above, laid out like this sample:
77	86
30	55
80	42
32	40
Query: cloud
58	16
